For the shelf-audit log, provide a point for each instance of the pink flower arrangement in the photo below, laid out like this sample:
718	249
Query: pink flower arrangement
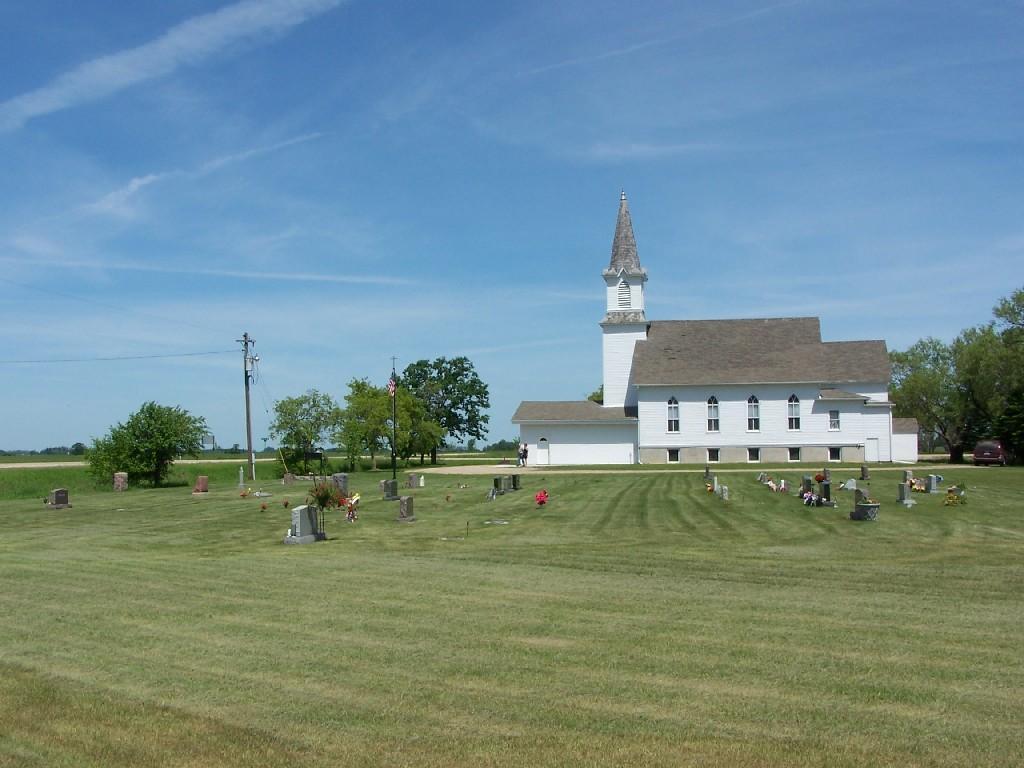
541	497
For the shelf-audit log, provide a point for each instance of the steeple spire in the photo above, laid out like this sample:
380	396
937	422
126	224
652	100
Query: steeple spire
624	256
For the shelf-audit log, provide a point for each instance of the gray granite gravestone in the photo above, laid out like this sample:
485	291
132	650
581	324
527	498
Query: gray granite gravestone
908	476
304	529
905	496
714	483
390	490
340	480
288	479
498	485
807	484
58	499
412	480
405	509
241	477
723	491
932	485
120	481
865	474
516	482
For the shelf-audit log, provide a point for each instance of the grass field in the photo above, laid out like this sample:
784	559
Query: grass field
634	620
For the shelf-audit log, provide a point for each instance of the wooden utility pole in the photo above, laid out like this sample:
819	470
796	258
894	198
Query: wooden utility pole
248	361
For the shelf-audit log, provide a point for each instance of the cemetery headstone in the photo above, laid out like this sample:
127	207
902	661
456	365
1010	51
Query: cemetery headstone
390	490
825	492
288	479
506	483
516	482
724	492
498	485
202	485
864	473
120	481
714	483
412	480
340	480
807	484
827	473
405	509
304	528
933	484
905	497
908	476
58	499
241	477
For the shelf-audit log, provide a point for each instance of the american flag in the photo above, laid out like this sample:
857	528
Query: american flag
391	387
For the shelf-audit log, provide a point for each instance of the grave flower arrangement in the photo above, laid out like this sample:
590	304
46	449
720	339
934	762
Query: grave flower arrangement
326	496
819	478
541	497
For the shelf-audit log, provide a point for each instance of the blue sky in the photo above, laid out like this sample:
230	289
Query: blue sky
352	181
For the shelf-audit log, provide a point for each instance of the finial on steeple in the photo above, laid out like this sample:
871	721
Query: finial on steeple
622	197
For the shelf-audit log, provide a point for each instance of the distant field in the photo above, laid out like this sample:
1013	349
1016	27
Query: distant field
634	620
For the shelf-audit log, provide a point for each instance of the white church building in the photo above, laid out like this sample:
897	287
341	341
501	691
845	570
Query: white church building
709	391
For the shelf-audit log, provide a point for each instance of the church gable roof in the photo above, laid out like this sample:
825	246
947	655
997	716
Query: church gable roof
758	351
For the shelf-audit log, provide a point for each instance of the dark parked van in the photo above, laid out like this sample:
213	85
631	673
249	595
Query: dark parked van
990	452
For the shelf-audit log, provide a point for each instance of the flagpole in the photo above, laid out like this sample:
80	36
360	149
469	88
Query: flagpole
394	421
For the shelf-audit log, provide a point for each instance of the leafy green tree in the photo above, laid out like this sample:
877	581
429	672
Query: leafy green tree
924	386
367	424
147	444
597	395
453	394
78	449
365	421
301	424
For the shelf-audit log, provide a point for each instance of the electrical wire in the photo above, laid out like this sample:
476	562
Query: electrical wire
125	357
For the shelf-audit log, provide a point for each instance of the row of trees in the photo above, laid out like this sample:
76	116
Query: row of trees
971	388
434	400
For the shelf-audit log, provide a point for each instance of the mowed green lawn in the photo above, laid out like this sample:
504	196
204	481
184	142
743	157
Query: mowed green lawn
634	620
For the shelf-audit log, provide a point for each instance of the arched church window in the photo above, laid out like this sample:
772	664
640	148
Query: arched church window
794	412
673	415
753	414
712	414
624	297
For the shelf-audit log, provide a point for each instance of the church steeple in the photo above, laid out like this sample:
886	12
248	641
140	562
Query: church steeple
624	322
624	277
624	256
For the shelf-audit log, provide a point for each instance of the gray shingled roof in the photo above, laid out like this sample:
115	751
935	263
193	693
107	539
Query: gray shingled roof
904	426
761	351
624	255
838	394
570	410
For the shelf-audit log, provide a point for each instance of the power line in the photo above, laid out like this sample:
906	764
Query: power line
107	359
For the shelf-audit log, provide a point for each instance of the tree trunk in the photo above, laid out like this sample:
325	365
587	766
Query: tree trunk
422	456
956	454
433	455
373	461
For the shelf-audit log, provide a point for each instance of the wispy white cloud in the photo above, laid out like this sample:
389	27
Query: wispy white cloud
660	41
188	43
116	203
123	266
643	150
